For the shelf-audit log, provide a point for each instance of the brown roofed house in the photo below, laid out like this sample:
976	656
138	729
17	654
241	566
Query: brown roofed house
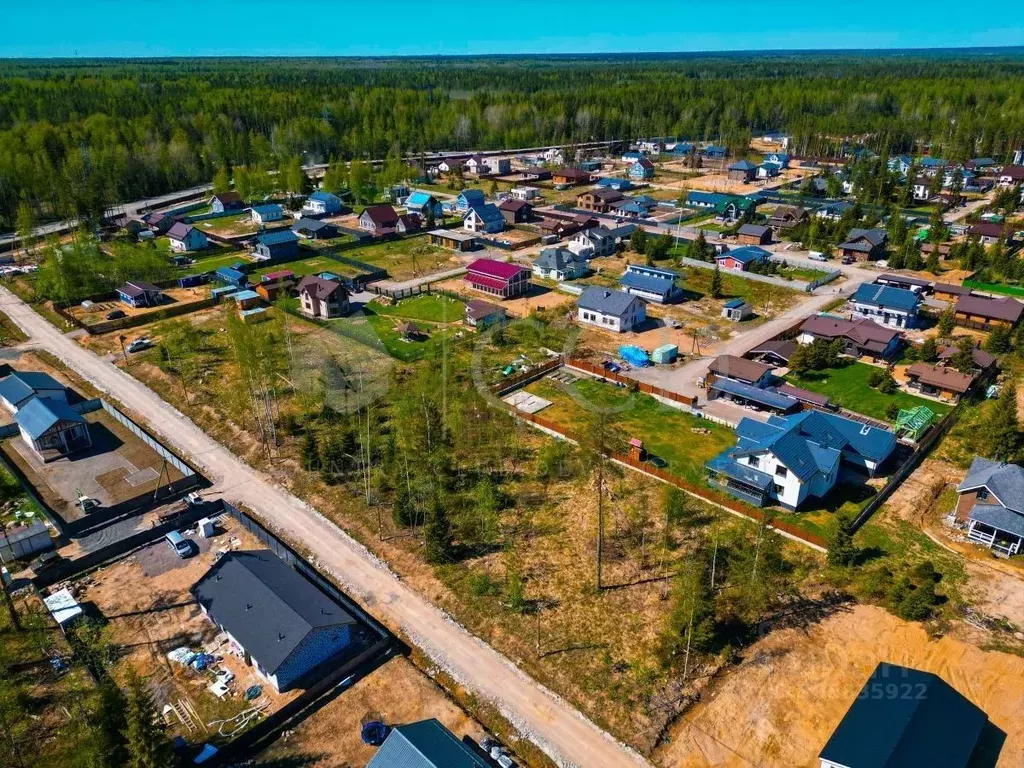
515	211
321	298
861	337
378	219
739	369
984	313
938	381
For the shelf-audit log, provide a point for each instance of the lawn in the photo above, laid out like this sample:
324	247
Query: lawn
667	432
847	386
428	307
1008	290
310	266
801	273
406	258
734	287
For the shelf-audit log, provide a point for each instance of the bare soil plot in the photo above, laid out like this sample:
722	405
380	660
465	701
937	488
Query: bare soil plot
172	297
780	706
539	297
395	693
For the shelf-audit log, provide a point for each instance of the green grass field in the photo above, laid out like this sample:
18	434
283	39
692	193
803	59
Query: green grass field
848	387
667	432
1008	290
733	287
309	266
430	307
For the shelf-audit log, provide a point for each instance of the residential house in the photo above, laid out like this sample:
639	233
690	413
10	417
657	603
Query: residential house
226	201
860	337
246	299
482	314
715	152
766	171
943	249
477	164
283	244
379	219
486	219
949	291
787	217
983	363
598	200
1011	175
779	159
906	282
469	198
138	293
726	206
524	193
737	310
611	310
426	744
932	725
424	204
991	505
939	381
921	189
290	631
273	284
631	208
775	352
314	229
185	238
536	173
989	232
900	164
791	459
739	369
891	307
17	388
322	298
516	211
932	165
740	259
231	276
322	203
631	156
754	234
451	165
570	177
264	214
408	222
864	244
619	185
559	264
642	169
52	428
651	283
498	278
984	313
454	239
742	170
833	211
158	221
593	243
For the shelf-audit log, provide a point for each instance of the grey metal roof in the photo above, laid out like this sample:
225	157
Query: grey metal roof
267	606
279	237
555	258
1004	481
752	229
606	301
426	744
925	722
999	517
768	397
41	413
662	286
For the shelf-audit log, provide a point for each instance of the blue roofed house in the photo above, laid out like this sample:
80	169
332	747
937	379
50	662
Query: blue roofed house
714	151
485	218
559	264
901	164
904	717
651	283
631	156
426	744
468	198
779	159
231	276
619	185
611	310
287	627
767	171
52	428
425	204
264	214
321	203
641	169
888	306
740	259
282	244
991	505
19	387
790	459
139	293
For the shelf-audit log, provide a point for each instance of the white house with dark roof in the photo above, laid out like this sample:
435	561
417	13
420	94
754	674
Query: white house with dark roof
559	264
593	242
185	237
610	310
888	306
991	505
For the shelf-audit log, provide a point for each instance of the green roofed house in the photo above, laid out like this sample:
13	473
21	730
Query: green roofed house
426	744
902	718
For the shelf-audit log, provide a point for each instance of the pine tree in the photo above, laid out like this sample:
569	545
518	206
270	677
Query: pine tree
690	628
963	359
108	730
929	350
439	542
998	341
638	240
145	742
1002	427
310	455
947	322
841	549
716	283
222	181
403	512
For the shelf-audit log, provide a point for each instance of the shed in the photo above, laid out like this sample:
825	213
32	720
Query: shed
426	744
665	354
24	540
63	607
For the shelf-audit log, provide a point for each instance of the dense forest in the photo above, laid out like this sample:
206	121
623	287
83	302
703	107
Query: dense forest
76	135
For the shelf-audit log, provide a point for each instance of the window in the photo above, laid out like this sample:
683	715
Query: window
983	494
781	471
778	489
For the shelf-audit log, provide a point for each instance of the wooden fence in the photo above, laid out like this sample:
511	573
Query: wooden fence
642	386
702	492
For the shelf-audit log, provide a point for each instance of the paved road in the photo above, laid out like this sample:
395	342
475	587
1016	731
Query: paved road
553	724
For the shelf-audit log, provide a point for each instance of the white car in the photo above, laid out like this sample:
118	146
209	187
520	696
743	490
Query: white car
140	344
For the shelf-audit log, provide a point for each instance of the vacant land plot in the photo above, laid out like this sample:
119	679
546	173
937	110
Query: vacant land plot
309	266
173	297
847	387
233	226
539	297
406	259
431	307
780	706
684	441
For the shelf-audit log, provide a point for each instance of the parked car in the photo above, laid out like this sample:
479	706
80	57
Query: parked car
140	344
848	260
117	314
46	561
817	256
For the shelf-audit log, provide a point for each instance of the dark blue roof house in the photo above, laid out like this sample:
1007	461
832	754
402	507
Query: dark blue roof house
232	276
651	283
21	386
469	198
287	627
886	305
281	244
742	258
904	717
426	744
714	151
610	182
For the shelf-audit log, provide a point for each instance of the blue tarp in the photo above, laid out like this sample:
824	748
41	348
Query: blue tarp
634	356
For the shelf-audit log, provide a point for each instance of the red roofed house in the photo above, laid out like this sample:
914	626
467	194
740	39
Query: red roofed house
498	278
1011	175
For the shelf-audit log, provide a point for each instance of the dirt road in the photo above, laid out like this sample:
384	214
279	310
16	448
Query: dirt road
554	725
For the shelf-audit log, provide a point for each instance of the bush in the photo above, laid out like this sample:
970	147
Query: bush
892	411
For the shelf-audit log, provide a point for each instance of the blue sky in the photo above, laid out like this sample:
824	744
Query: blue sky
402	27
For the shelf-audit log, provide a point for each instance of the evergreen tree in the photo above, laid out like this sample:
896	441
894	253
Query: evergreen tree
716	283
690	628
932	262
929	350
438	539
25	226
222	181
145	742
947	322
403	512
1002	428
310	452
638	240
108	731
963	359
841	549
999	340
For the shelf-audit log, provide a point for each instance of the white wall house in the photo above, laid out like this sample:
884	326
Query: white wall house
788	488
524	193
610	310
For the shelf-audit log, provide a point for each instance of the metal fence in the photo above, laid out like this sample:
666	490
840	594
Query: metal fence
151	441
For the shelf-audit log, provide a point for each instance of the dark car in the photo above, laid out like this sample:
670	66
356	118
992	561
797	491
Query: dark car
117	314
848	260
46	561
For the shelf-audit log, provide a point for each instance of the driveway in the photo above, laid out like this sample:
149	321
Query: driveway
553	724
